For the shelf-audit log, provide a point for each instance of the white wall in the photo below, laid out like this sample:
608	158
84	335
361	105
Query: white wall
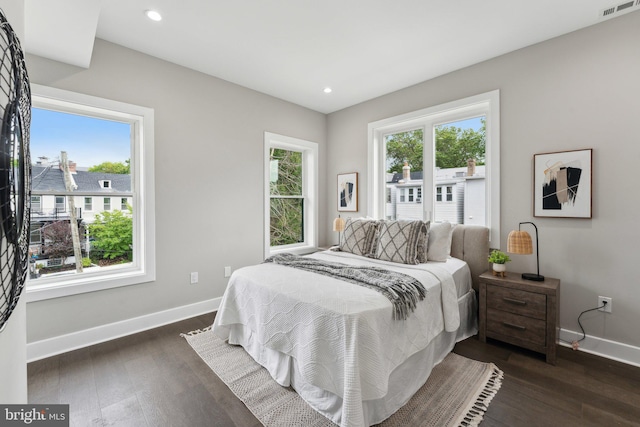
577	91
209	189
13	342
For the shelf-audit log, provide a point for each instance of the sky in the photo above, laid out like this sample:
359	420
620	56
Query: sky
88	141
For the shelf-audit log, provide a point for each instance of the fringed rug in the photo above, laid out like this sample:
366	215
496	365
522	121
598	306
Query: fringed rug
457	393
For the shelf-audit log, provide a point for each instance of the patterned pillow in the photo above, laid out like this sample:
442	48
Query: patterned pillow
360	236
398	241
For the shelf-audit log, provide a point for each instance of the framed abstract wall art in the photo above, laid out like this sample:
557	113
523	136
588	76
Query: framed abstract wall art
348	192
562	184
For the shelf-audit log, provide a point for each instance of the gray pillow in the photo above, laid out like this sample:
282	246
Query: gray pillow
439	241
398	241
360	236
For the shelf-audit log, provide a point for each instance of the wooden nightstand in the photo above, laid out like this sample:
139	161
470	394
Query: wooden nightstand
520	312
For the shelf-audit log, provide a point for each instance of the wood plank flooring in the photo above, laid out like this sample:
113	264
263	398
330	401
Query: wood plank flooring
155	379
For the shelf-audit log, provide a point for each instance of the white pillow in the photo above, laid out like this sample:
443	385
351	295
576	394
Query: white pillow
439	241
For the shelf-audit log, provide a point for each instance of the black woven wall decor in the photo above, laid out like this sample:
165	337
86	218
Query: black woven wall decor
15	170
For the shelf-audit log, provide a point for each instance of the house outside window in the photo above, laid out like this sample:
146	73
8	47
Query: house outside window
128	130
291	189
36	203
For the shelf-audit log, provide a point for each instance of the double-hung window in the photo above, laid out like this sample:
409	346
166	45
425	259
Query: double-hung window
60	204
457	143
291	194
36	204
68	125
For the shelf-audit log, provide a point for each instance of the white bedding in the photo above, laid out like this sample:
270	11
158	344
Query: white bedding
339	337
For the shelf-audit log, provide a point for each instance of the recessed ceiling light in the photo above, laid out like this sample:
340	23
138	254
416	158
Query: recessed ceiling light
153	15
327	90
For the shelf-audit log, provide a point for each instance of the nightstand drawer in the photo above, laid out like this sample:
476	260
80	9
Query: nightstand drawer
513	325
516	301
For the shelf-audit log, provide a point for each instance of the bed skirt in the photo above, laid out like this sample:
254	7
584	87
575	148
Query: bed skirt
404	381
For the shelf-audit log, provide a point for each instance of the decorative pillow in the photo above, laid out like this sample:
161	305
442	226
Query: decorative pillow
439	241
359	236
423	244
398	241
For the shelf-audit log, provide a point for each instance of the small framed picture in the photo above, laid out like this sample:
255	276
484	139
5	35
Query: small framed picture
562	184
348	192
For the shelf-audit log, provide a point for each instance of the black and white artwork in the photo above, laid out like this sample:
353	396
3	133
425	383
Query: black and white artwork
348	192
562	184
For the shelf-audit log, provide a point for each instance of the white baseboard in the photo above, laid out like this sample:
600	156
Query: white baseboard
602	347
61	344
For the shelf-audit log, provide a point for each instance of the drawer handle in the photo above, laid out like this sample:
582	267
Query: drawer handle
514	301
511	325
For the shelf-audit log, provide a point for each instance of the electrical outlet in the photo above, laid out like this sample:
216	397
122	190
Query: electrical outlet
194	277
227	271
606	308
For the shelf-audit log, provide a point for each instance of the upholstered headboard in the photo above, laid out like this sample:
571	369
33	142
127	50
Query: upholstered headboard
471	244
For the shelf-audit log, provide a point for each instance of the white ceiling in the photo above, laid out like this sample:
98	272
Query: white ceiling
293	49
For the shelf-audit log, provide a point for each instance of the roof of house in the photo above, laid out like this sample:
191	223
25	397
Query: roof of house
50	179
441	174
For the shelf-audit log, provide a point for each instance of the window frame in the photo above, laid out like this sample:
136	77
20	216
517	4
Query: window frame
485	104
309	152
106	201
143	267
90	203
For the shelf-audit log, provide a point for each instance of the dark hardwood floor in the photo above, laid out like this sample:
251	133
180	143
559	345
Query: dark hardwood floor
155	379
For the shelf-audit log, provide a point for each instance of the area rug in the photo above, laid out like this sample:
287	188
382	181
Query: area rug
457	393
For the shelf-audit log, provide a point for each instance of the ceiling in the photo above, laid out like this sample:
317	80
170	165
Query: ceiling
293	49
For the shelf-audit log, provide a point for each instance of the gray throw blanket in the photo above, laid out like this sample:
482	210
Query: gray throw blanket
402	290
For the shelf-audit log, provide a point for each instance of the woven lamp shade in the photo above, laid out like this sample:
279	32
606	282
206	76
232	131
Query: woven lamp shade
338	224
519	242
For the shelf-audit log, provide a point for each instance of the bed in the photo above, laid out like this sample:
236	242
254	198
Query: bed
340	345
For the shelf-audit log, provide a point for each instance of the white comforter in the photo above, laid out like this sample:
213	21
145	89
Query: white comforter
343	335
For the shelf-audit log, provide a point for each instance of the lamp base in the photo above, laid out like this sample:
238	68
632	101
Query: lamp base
533	276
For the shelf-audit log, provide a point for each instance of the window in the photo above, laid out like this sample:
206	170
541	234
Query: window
123	204
291	188
105	184
419	199
107	204
36	204
35	234
128	132
436	131
402	195
60	204
411	194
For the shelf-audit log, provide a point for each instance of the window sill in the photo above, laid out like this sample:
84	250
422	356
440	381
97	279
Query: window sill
86	282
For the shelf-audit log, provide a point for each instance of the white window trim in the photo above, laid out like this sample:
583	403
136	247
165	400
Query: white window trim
310	191
487	104
143	268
